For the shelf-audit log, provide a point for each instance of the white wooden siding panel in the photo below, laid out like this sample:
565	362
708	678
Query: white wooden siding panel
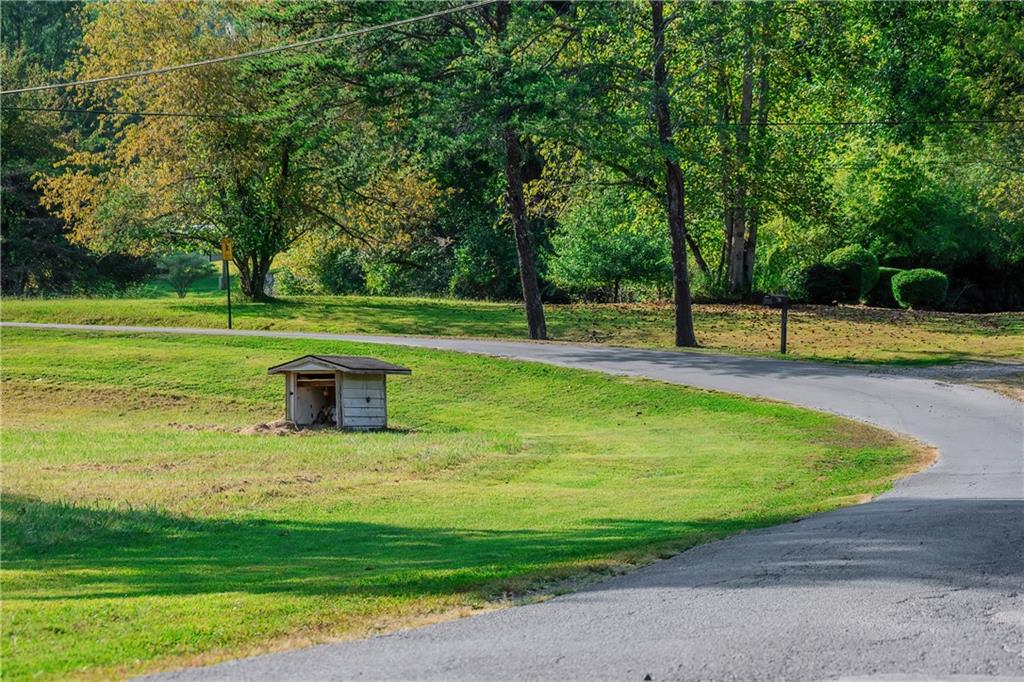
362	402
358	412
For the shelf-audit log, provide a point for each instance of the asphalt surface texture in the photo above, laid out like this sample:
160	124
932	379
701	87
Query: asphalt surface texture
926	582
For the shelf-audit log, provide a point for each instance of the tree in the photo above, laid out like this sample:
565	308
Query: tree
605	242
49	32
474	88
182	270
233	168
675	186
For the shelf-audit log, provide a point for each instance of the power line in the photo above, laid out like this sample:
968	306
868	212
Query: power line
183	114
251	53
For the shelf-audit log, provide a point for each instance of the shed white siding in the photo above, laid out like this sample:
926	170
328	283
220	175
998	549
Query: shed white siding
346	391
363	401
306	404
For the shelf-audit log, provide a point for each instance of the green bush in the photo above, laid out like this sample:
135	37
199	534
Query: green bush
793	282
920	288
863	261
823	284
880	295
182	270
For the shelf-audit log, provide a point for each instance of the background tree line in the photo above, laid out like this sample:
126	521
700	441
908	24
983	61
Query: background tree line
545	151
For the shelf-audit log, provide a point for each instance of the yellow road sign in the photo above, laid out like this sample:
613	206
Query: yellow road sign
225	248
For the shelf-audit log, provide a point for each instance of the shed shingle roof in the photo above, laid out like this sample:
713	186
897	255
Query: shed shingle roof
344	363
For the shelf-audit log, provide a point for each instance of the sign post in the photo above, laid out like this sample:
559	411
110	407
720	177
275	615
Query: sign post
780	301
225	256
785	319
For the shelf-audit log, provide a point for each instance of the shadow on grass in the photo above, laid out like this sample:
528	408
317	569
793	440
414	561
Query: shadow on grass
123	553
378	315
117	554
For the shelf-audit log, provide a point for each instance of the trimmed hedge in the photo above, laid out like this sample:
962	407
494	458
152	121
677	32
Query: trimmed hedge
863	261
881	294
920	288
823	283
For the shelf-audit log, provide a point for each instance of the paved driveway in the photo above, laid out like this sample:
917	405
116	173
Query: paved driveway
925	582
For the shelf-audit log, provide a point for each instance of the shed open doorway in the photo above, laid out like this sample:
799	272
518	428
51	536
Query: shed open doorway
342	391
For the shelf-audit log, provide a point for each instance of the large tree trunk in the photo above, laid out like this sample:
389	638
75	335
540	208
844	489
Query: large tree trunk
744	159
737	231
516	201
252	276
758	168
520	226
674	186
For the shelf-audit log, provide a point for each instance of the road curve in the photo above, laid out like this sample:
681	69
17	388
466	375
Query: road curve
926	582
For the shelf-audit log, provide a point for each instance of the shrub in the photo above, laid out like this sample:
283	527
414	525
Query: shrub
824	283
182	270
920	288
863	261
793	282
881	294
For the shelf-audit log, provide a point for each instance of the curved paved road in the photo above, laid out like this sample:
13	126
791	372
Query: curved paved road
925	582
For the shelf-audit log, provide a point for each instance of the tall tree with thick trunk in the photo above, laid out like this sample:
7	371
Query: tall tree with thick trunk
675	187
742	142
517	213
516	201
470	93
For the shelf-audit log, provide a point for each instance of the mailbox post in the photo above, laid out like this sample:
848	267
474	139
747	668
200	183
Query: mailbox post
780	301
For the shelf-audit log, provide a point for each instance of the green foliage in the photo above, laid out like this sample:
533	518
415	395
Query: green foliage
604	244
920	288
824	283
318	267
856	257
182	270
485	264
881	294
50	32
793	282
572	81
36	255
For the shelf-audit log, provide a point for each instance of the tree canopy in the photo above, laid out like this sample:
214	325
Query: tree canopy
525	149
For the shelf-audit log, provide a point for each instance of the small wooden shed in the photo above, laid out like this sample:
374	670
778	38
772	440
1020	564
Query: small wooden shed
345	391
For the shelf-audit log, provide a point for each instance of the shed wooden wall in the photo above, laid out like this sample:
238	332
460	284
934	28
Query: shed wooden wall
307	402
364	401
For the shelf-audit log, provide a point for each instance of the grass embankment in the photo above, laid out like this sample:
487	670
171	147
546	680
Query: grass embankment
142	530
1011	386
818	332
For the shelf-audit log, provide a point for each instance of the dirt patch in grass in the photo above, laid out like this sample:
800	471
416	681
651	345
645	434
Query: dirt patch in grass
281	427
850	434
25	400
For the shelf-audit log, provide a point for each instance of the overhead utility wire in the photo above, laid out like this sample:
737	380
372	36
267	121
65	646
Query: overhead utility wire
251	53
109	112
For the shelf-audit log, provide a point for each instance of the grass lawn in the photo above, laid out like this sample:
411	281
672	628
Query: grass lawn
848	333
1011	386
144	529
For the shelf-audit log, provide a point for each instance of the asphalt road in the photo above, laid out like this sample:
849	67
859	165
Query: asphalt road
926	582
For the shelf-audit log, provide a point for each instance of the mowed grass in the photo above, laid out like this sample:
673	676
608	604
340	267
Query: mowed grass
847	333
142	529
